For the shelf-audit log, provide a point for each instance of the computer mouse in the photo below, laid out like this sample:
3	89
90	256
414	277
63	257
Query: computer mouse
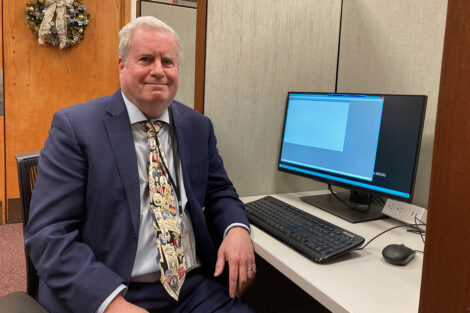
398	254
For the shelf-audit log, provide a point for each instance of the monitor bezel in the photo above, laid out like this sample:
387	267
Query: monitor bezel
352	187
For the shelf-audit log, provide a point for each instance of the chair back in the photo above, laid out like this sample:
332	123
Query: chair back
27	172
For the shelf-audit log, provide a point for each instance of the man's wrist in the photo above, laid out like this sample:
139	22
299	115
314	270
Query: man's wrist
235	225
119	291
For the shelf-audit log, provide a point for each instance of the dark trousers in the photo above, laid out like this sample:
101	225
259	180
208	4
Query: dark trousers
200	293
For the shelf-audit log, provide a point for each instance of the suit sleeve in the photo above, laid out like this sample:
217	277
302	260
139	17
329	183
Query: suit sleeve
53	240
222	201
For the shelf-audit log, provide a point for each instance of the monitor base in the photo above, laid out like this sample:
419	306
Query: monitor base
332	205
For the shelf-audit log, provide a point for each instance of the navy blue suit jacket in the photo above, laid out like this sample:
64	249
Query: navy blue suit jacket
84	217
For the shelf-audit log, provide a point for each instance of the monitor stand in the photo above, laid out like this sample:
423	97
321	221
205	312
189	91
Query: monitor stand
332	205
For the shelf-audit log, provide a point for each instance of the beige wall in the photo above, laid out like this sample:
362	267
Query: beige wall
257	50
183	21
396	47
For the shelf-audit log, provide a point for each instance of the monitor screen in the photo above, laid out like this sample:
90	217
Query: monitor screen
368	143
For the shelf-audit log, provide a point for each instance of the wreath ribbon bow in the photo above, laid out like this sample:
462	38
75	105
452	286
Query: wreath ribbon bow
59	8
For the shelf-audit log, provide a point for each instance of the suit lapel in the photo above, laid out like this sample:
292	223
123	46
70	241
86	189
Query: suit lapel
183	131
120	137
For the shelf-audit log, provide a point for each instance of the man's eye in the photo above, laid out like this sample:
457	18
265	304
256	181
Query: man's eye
168	62
145	59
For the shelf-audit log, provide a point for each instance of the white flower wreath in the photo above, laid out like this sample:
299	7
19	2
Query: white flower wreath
58	22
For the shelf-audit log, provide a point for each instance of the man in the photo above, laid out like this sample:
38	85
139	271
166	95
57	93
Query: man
107	235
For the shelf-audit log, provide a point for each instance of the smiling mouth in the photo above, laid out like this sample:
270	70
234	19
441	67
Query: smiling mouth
156	84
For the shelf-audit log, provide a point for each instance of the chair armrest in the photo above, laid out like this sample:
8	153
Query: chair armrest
20	302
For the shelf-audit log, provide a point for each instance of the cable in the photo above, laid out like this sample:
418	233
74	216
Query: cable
419	229
379	199
385	231
347	205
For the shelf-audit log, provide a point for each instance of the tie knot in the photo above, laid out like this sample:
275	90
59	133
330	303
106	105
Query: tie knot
153	125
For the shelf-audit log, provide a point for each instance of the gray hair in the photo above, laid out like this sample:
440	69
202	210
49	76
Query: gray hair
149	22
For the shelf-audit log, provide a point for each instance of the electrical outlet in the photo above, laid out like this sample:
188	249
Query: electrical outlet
404	212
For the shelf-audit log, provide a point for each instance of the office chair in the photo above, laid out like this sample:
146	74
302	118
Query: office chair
20	302
27	172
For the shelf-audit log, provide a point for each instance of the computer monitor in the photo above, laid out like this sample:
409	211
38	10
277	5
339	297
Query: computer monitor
367	143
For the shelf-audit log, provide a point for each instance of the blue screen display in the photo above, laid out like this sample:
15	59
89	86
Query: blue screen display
354	139
337	134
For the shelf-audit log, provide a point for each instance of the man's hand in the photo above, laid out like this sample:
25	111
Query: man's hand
120	305
237	250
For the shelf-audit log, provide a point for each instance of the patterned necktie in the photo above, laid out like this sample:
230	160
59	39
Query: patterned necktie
164	216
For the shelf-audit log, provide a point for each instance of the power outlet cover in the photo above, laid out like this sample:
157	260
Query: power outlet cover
404	212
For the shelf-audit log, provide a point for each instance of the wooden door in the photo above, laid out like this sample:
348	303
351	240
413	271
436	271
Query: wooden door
446	270
39	80
2	142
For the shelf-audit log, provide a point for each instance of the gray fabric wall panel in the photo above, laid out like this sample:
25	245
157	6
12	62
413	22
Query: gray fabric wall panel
257	50
396	47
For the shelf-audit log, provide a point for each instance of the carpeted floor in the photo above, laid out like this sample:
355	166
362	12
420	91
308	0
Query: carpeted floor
12	261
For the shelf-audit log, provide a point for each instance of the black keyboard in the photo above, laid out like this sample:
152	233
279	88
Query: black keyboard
315	238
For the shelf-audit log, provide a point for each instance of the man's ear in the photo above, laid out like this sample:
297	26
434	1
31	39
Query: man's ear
120	64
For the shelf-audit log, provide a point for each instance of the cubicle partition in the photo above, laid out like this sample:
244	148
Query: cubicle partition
257	50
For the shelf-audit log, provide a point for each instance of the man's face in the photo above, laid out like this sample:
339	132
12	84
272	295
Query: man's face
149	77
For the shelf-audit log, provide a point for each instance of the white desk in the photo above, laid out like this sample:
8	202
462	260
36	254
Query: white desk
359	282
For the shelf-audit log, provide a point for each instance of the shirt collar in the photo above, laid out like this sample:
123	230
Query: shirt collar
135	115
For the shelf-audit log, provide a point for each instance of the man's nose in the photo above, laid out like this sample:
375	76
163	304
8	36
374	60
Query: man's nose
157	69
